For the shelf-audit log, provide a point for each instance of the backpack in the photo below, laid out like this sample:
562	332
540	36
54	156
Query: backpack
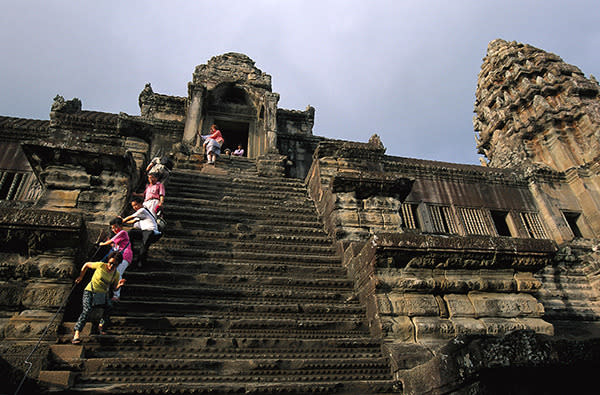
166	162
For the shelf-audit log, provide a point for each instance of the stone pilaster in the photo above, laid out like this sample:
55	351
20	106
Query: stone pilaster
194	113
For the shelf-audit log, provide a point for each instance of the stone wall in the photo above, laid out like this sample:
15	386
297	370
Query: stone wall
87	163
161	107
425	247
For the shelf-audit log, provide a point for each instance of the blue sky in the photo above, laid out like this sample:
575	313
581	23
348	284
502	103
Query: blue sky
406	70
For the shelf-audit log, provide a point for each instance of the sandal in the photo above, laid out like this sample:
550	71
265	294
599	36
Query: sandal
101	331
76	340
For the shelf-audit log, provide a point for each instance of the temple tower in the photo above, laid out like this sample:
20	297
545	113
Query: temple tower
539	114
231	92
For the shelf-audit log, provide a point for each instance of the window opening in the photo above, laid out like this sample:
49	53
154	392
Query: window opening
533	225
6	185
408	212
572	219
443	219
499	219
477	221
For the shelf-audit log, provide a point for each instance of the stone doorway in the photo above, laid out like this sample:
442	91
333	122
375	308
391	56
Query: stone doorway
234	133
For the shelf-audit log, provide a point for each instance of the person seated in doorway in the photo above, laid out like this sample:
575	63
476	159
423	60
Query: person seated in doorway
212	144
119	242
105	279
239	151
154	194
145	229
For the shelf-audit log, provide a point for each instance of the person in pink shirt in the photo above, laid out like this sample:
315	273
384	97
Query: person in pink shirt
212	144
154	194
119	242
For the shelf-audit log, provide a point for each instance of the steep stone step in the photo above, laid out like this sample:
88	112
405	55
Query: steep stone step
234	347
245	240
248	280
256	232
239	212
269	255
353	387
221	223
159	268
146	329
256	263
204	182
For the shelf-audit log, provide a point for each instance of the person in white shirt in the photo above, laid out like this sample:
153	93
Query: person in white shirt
144	228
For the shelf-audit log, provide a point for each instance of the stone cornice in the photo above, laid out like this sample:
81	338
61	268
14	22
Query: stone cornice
31	231
366	184
467	252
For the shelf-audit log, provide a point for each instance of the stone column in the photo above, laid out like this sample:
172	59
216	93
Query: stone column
194	113
271	100
551	216
588	198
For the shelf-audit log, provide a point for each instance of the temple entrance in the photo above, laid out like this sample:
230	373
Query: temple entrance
234	133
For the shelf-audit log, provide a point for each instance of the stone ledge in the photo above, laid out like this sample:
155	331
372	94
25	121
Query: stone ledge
36	218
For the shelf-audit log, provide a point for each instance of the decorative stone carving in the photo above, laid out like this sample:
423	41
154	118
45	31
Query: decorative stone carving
60	105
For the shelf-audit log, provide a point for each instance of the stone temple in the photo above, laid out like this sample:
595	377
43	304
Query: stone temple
311	265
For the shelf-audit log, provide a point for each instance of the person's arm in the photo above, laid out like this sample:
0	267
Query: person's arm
105	243
84	269
161	194
131	219
119	284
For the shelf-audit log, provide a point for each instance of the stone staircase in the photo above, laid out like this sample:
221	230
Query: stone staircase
244	294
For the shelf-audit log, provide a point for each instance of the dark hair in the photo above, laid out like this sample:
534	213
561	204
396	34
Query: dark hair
137	200
116	221
117	255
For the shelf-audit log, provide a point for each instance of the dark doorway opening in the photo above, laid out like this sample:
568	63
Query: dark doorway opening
234	133
572	219
499	218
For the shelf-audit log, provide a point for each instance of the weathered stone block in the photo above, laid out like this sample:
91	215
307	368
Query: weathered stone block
346	217
11	294
526	282
391	221
433	328
505	305
538	325
370	218
459	306
57	379
63	177
500	326
468	326
497	280
398	328
55	198
384	306
381	202
30	324
460	281
414	304
346	200
44	294
407	279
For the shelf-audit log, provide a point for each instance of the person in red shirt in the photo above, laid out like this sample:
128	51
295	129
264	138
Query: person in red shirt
212	144
154	194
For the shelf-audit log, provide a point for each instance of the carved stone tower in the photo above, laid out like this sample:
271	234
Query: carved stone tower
231	92
537	113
